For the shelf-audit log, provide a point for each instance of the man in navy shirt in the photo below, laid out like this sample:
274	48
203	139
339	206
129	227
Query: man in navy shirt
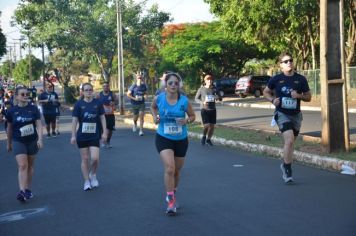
285	91
137	94
49	100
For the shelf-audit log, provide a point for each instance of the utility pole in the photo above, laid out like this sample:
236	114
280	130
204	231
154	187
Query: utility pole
29	59
334	112
120	66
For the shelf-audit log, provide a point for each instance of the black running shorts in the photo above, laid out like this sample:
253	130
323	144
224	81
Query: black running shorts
49	119
179	147
90	143
208	116
110	121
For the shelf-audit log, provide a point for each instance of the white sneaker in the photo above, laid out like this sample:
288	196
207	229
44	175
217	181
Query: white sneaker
134	128
141	132
87	185
103	145
94	181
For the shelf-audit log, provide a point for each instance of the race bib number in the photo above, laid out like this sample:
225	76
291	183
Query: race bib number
139	97
289	103
108	109
172	129
88	128
209	98
27	130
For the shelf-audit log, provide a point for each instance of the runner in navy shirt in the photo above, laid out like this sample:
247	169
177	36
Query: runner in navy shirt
89	114
109	100
137	93
285	91
24	138
49	101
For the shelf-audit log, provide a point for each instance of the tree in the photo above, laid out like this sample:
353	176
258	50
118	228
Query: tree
6	68
2	43
86	27
21	70
195	49
269	24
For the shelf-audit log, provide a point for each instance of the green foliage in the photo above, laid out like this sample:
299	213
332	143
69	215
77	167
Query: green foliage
2	43
5	68
88	27
21	72
204	48
279	25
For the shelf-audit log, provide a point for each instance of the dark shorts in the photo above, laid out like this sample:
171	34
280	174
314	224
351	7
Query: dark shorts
29	148
208	116
288	122
179	147
136	109
110	121
49	119
90	143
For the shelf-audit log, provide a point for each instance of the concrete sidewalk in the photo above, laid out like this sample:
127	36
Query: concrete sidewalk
261	103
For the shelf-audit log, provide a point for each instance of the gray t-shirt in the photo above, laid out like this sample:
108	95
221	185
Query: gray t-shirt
207	95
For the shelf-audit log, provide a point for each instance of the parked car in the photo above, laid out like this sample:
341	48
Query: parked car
251	85
225	86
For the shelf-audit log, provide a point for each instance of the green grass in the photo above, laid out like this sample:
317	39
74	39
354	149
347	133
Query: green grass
270	139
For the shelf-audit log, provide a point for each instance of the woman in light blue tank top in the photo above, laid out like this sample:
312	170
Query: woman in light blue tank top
169	110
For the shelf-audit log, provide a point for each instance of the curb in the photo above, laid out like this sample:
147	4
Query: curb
323	162
270	106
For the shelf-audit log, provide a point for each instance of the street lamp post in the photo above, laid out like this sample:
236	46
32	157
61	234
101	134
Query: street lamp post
120	67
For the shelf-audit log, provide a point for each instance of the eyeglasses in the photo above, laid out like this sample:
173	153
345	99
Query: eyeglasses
88	90
286	61
170	83
24	94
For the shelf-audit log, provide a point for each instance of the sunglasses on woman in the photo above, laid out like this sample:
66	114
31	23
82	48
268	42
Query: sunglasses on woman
170	83
24	94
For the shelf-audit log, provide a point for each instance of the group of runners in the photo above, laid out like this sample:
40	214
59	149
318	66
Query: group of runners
171	111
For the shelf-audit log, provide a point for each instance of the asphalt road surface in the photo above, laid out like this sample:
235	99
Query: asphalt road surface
222	192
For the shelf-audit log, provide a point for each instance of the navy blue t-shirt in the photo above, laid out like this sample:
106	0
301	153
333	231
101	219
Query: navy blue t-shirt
283	86
23	121
49	108
138	92
88	114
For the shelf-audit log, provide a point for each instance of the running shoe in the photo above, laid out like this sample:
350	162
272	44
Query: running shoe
134	128
203	140
108	145
286	174
58	133
21	196
48	135
93	181
171	208
103	145
176	202
54	134
87	185
28	194
208	141
141	132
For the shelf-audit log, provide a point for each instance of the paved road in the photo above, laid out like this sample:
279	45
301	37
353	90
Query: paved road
216	198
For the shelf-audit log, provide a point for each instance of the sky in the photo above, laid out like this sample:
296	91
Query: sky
182	11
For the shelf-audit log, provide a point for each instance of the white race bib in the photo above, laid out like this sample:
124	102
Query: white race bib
27	130
88	128
139	97
108	109
289	103
209	98
172	129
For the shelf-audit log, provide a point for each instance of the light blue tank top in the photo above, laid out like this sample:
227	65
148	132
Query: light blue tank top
168	126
